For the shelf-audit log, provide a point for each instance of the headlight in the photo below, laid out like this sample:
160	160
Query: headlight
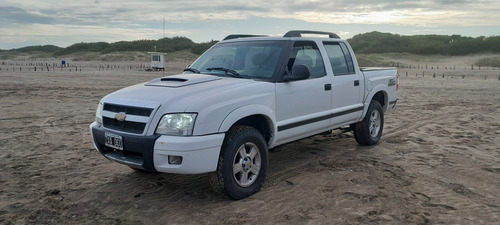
178	124
98	113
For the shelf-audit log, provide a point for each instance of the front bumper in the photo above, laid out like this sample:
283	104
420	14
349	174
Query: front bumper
199	154
392	104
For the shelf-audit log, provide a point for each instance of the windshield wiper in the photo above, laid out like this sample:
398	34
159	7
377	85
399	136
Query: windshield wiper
230	71
192	70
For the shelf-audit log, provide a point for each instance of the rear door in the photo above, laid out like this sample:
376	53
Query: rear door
347	91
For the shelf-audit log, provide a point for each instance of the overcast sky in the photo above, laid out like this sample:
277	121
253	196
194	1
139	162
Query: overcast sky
65	22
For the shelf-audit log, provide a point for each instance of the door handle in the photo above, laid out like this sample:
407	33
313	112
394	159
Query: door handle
328	87
356	83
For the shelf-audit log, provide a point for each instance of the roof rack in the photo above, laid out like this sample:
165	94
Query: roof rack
235	36
297	33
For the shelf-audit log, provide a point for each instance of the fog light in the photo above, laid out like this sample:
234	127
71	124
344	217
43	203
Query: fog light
175	160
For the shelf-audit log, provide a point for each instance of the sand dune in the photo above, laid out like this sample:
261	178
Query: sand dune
438	160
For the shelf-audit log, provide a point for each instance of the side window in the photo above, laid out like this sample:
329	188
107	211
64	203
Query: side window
340	58
348	57
307	53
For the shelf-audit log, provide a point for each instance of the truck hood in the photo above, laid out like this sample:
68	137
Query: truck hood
176	93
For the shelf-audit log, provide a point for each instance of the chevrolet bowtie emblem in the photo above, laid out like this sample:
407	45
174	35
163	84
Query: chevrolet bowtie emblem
392	82
120	116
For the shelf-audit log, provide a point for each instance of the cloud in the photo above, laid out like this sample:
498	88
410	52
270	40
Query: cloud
15	15
414	13
120	13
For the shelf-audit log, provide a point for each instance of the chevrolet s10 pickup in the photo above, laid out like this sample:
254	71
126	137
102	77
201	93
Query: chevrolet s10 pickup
243	96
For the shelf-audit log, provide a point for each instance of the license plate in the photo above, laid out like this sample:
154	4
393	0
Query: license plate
114	141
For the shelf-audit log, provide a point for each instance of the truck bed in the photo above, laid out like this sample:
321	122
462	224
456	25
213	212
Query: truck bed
376	68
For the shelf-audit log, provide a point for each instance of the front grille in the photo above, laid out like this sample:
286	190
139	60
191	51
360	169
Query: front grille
135	127
125	126
129	110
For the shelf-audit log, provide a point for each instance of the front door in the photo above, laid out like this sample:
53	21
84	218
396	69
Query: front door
304	106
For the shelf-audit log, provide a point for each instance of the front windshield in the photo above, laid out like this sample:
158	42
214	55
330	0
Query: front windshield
246	59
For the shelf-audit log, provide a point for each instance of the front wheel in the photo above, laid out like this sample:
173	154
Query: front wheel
369	130
242	165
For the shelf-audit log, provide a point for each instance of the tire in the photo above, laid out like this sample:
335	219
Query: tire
242	165
369	130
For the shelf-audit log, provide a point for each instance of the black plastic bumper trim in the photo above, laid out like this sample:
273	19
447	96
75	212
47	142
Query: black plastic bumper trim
137	150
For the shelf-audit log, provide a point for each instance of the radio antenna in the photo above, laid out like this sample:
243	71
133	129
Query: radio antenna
163	43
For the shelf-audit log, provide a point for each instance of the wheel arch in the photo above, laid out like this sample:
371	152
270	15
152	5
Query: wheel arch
378	94
381	97
256	116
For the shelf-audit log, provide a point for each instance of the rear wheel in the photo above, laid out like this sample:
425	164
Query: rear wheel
369	130
242	163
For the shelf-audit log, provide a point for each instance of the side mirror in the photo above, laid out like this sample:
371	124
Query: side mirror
299	72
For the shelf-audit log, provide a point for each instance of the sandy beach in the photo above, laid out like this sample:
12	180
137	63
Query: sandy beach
438	161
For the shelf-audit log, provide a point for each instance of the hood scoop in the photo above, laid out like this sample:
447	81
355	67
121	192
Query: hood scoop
173	79
181	80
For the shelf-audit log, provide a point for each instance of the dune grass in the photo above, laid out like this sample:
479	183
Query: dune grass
489	62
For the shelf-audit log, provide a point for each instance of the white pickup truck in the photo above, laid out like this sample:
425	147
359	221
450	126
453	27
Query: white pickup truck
240	98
